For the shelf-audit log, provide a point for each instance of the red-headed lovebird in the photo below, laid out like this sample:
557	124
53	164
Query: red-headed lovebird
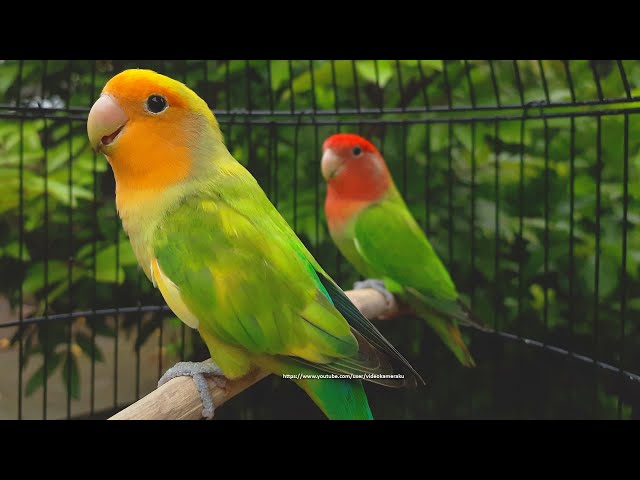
371	225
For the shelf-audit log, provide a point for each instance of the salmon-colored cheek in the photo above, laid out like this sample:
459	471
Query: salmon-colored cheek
359	183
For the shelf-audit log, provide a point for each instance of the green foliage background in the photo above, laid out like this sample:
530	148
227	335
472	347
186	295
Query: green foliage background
492	187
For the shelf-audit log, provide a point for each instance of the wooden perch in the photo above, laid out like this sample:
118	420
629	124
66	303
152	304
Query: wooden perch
178	399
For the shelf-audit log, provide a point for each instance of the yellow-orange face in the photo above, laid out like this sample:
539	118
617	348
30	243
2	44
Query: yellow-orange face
149	127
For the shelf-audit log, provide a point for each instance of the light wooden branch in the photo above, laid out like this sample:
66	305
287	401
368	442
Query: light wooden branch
178	399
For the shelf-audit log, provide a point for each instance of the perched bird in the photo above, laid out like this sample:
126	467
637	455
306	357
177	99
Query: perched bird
223	258
373	228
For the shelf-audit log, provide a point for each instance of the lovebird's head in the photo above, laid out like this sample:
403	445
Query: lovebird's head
153	130
353	167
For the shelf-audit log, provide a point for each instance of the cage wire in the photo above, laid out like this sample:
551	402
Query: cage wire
524	174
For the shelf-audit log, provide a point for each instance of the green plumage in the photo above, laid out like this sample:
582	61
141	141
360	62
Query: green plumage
261	299
384	241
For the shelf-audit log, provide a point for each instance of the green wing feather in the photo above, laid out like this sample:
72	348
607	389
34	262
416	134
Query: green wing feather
394	248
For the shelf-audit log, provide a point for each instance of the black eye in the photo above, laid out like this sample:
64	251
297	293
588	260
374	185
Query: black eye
357	151
156	103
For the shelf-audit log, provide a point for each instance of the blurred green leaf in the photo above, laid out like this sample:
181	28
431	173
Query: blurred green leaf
70	371
38	378
88	347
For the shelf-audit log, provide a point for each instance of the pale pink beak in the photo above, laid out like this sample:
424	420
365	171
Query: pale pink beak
331	164
105	123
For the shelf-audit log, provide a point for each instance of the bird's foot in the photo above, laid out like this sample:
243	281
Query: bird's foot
198	371
377	285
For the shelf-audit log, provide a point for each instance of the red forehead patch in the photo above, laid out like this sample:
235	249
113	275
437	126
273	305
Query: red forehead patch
341	141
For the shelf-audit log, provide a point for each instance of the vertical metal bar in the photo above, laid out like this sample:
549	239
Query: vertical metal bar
355	85
425	83
596	78
547	207
335	85
314	103
472	96
295	174
450	191
316	168
70	246
268	182
572	173
292	104
94	272
138	330
567	70
522	249
521	254
276	167
427	180
516	71
545	87
447	88
20	241
227	85
494	82
623	77
116	297
447	85
271	132
160	341
572	268
472	234
623	273
496	264
497	354
596	293
546	232
338	277
247	72
376	69
316	183
472	226
208	97
403	105
404	161
45	325
250	151
270	84
572	201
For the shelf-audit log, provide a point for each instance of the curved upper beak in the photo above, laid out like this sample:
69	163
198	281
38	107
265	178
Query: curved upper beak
331	163
106	121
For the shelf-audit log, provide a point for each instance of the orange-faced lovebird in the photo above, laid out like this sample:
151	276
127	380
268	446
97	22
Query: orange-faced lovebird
371	225
224	259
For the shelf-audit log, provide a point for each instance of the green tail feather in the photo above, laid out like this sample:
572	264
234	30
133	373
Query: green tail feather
338	399
450	335
447	329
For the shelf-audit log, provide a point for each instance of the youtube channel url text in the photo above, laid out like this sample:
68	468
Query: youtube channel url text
329	376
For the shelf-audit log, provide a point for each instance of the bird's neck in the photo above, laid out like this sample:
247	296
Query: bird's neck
341	209
141	211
